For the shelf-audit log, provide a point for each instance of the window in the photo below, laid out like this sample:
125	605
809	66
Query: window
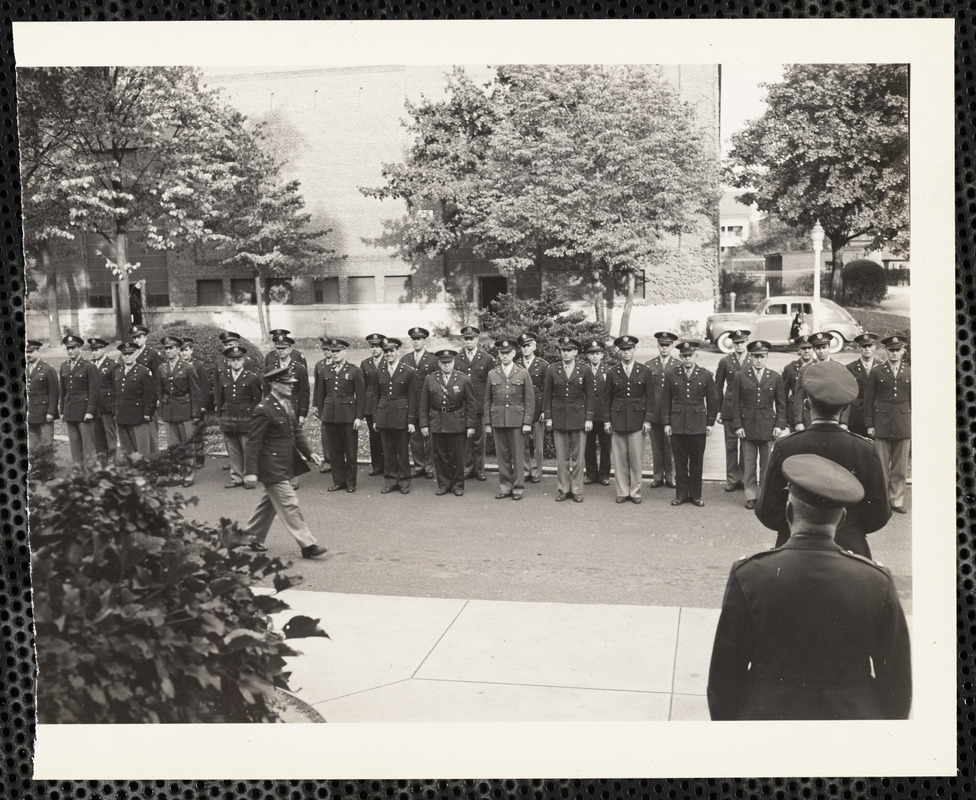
325	290
397	288
242	291
210	292
776	308
279	290
362	289
152	274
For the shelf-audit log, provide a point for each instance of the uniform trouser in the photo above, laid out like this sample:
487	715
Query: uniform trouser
689	453
894	460
534	440
199	430
180	434
375	445
420	449
40	434
81	439
154	433
734	461
134	438
474	449
234	442
628	462
569	461
661	454
106	435
281	500
510	452
341	442
598	438
751	453
396	457
448	451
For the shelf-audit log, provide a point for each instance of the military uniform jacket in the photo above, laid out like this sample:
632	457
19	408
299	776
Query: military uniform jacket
799	630
396	405
224	366
427	365
888	402
659	371
43	393
569	401
599	384
856	408
690	404
537	371
180	395
106	384
509	401
340	394
151	359
791	380
477	369
301	395
271	359
203	375
758	406
447	407
627	401
724	377
275	449
370	374
831	441
235	400
135	394
79	390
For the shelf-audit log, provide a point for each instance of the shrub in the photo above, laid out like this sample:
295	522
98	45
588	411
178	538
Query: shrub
864	283
144	615
748	290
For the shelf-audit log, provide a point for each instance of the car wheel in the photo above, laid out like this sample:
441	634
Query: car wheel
836	342
725	343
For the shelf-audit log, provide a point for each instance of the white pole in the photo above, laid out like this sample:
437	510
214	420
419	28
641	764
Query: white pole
817	235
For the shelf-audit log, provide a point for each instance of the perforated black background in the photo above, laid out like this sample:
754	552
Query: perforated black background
16	664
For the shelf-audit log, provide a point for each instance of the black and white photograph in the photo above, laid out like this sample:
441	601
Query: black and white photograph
544	399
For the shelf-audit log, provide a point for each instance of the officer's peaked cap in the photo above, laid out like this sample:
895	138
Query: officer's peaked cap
821	482
829	383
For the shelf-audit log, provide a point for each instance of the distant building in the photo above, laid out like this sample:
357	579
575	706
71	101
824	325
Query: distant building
736	221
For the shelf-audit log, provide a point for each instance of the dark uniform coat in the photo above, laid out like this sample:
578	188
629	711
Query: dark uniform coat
690	405
135	394
856	408
477	369
180	394
371	377
301	395
538	374
106	384
658	370
275	445
509	401
340	394
234	401
426	366
151	359
599	385
223	365
396	406
43	393
450	407
628	402
569	402
79	390
203	375
888	402
271	359
758	407
799	631
791	381
724	377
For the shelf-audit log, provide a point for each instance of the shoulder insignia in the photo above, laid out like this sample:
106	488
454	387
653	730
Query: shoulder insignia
867	439
864	559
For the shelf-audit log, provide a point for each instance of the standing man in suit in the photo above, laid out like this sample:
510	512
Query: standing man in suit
396	416
536	367
370	367
275	451
688	409
424	364
829	388
43	394
860	369
597	438
568	401
206	395
791	375
284	357
152	360
180	402
238	391
888	417
476	364
758	415
724	378
79	400
663	458
509	409
801	409
105	430
134	398
273	354
628	397
809	630
447	413
340	404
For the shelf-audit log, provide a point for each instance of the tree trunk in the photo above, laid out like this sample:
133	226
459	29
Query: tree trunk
628	303
259	299
123	314
599	301
53	316
609	302
837	271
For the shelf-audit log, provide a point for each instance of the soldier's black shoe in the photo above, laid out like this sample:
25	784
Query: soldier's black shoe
335	488
622	500
605	481
697	501
375	472
731	487
656	484
502	495
404	490
588	480
441	492
534	480
560	496
325	468
257	547
677	502
388	489
351	489
635	500
226	467
481	476
517	496
577	498
899	509
670	484
313	551
750	504
458	491
233	485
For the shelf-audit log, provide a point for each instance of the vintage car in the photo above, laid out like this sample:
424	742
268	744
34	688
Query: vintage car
773	319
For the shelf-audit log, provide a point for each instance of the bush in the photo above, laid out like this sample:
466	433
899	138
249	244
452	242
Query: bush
144	615
748	290
865	285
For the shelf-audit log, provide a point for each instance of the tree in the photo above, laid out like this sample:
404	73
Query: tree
596	167
832	146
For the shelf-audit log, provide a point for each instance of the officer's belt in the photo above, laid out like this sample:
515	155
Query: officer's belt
806	680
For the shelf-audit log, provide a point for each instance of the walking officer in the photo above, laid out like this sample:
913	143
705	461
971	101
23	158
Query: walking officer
447	414
724	378
134	398
567	404
888	417
628	397
424	364
476	364
663	458
860	369
370	366
43	394
79	400
396	417
106	432
237	393
340	405
180	403
597	469
509	408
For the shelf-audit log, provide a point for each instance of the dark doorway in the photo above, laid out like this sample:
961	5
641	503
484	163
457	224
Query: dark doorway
135	303
489	287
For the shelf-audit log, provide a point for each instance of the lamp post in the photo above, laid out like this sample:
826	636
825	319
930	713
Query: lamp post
817	235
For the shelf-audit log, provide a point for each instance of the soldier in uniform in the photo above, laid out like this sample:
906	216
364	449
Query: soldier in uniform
509	409
231	339
152	360
284	358
689	409
370	366
536	367
476	364
273	354
424	364
801	410
43	394
791	375
274	452
105	430
180	401
447	414
888	417
627	399
79	400
569	397
134	399
237	393
724	378
597	438
758	415
663	458
829	387
340	405
809	630
860	369
206	391
396	416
